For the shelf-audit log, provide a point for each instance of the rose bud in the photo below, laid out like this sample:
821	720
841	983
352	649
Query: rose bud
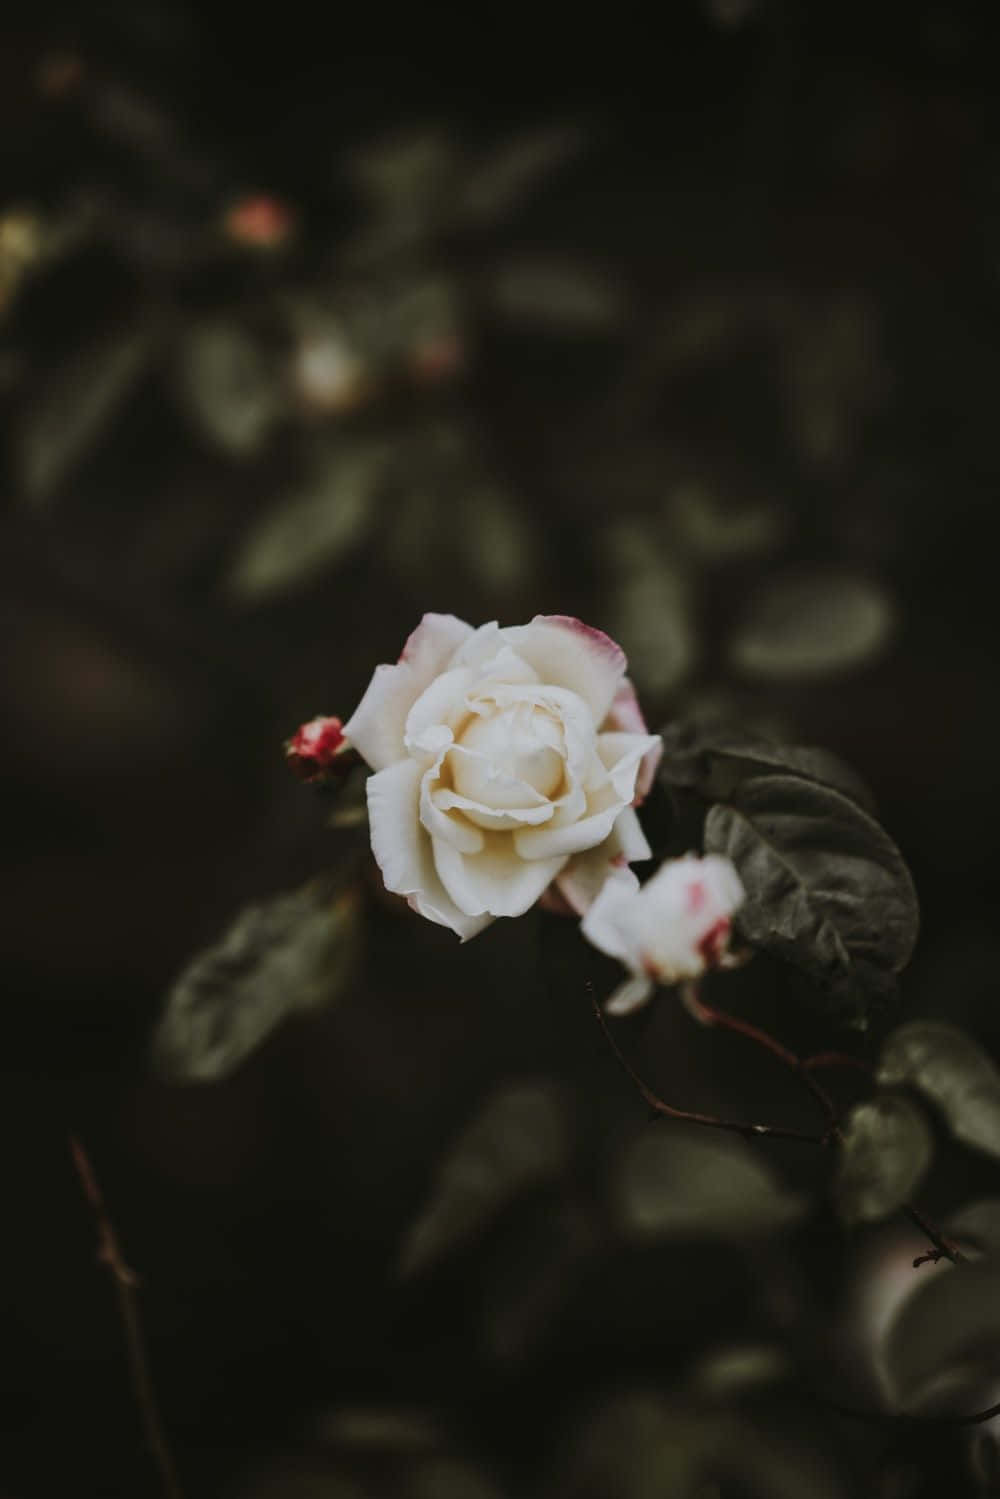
315	747
673	928
259	221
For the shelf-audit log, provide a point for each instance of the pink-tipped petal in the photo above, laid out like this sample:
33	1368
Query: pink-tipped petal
626	717
571	654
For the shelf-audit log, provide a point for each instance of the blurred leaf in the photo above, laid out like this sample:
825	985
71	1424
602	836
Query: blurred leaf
557	296
717	530
535	1273
450	1478
290	954
726	1373
978	1224
496	545
644	1446
815	623
500	182
311	528
410	181
954	1072
714	760
651	611
834	375
229	387
676	1185
827	889
296	1477
887	1148
381	1428
75	409
520	1139
946	1337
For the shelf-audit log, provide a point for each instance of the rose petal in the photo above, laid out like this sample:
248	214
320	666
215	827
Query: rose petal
567	653
496	881
602	923
584	877
630	996
378	724
441	822
403	849
622	755
440	706
626	716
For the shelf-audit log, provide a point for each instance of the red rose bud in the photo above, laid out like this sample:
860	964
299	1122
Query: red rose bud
260	222
315	746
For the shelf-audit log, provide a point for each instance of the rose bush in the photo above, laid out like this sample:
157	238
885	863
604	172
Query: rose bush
505	760
674	927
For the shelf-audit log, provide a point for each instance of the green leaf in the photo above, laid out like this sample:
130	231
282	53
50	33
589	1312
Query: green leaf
944	1345
313	527
716	530
557	296
229	387
812	624
977	1224
714	761
652	613
520	1139
503	179
675	1185
887	1148
293	953
954	1072
640	1445
75	409
827	889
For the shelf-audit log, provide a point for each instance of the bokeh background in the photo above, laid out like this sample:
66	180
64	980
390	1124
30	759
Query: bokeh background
305	331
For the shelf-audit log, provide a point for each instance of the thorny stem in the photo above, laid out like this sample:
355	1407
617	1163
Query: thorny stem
803	1067
126	1284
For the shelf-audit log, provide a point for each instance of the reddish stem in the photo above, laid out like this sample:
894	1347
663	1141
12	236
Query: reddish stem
126	1283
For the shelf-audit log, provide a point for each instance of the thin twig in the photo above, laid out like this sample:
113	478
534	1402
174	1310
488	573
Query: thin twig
126	1284
710	1121
908	1418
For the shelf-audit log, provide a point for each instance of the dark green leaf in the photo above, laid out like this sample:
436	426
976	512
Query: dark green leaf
807	624
675	1185
229	387
977	1225
714	761
886	1150
290	954
652	611
716	530
501	181
521	1138
312	527
643	1446
75	409
827	889
954	1072
945	1342
559	296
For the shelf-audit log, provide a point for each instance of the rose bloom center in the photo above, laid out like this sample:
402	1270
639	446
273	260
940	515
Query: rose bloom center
519	744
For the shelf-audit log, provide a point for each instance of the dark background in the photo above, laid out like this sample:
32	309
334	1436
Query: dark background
792	215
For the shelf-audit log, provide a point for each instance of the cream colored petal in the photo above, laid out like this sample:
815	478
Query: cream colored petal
626	716
443	822
604	922
583	878
568	653
630	996
622	755
441	705
377	726
495	881
403	851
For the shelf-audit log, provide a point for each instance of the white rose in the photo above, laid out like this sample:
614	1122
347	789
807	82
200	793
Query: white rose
505	759
674	927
